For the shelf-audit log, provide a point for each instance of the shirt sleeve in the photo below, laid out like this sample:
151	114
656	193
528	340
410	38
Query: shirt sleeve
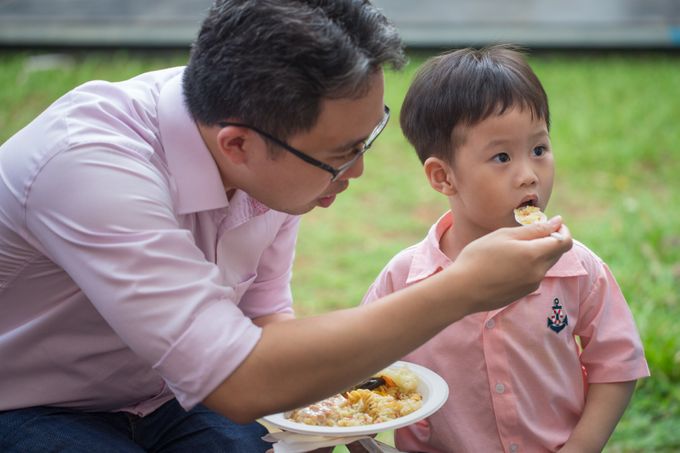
612	348
379	288
270	292
106	217
392	278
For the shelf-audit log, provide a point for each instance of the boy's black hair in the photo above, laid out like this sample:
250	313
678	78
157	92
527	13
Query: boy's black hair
269	63
464	87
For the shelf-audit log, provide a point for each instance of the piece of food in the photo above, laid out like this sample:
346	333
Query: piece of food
393	394
526	215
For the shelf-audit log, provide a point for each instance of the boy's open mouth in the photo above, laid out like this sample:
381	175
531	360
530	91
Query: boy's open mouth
531	202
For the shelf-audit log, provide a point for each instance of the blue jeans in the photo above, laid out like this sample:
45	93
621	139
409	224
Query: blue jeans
168	429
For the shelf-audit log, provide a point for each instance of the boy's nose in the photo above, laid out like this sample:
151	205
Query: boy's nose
528	176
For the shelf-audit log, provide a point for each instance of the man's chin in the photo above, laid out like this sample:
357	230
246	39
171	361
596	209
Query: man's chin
322	202
326	202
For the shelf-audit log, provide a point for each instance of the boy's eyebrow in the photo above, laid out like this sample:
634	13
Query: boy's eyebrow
496	142
502	141
541	133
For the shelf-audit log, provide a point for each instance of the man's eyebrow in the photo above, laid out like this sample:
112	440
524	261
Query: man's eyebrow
347	145
351	143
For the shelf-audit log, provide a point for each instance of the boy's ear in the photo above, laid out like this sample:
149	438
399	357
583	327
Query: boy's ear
231	142
440	176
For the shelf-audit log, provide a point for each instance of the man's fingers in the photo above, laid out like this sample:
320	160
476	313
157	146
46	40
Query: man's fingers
563	237
562	234
538	230
554	245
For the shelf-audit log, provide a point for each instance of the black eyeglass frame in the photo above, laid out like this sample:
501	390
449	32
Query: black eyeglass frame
335	172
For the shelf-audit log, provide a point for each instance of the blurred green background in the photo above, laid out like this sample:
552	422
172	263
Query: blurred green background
616	136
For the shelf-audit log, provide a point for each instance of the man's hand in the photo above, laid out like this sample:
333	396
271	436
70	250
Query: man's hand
510	262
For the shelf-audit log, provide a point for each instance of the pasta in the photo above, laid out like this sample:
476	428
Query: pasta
398	396
526	215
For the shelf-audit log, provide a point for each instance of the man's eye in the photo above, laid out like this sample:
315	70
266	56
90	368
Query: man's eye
351	153
501	157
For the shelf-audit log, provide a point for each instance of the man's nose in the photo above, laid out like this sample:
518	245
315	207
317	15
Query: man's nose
356	170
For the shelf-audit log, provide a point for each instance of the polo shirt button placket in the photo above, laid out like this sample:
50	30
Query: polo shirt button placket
514	448
490	324
500	388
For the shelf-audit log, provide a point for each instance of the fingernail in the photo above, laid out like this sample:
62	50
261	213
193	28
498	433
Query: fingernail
557	236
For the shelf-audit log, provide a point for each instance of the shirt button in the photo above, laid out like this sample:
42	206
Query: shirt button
490	324
514	448
500	388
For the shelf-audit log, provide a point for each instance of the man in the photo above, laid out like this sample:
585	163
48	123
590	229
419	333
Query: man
147	231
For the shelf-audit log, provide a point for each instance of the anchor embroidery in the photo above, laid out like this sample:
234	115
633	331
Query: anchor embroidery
558	320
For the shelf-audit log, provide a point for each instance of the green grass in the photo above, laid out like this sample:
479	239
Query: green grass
617	143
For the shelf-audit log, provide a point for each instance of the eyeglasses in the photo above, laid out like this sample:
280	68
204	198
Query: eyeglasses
335	172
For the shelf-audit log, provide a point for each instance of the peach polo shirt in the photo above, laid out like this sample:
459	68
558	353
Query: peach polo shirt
517	381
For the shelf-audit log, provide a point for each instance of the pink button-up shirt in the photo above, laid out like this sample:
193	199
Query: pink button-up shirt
517	381
126	275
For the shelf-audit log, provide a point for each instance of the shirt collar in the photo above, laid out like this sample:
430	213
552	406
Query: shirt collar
428	258
569	265
192	166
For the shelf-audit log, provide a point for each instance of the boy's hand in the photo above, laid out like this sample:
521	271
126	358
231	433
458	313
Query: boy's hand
511	262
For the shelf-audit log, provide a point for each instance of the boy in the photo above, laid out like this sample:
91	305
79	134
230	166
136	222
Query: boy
519	380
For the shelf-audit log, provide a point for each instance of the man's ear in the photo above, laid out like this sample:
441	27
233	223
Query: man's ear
231	142
440	176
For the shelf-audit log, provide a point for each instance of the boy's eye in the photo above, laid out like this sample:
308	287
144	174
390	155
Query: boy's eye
501	157
539	150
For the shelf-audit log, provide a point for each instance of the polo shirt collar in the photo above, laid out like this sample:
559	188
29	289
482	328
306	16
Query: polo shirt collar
428	258
569	265
193	168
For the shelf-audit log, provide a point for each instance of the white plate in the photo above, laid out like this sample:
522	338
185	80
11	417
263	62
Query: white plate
430	385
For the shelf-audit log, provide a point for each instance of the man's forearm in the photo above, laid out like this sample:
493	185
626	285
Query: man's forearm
303	360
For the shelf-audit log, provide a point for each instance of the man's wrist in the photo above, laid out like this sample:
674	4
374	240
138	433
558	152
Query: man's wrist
455	291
